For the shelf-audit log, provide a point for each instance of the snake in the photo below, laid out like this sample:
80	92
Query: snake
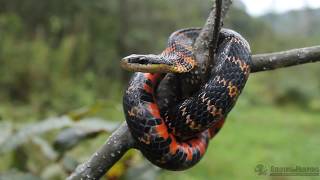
177	137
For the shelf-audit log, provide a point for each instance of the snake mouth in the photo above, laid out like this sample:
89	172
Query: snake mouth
148	63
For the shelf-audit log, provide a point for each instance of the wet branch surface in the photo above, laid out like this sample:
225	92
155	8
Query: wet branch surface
121	140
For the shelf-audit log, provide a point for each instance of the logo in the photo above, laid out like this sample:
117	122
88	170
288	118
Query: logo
261	170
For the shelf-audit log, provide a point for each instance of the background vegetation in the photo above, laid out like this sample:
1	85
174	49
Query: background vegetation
62	58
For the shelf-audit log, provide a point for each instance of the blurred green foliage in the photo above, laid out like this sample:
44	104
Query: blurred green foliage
57	56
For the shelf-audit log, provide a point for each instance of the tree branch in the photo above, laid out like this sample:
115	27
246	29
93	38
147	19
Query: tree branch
215	34
264	62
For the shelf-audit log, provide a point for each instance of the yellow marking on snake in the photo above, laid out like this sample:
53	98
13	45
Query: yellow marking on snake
233	90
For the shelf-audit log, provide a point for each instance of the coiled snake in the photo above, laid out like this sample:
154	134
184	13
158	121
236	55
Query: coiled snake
176	138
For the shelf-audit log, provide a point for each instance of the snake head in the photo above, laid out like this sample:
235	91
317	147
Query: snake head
152	64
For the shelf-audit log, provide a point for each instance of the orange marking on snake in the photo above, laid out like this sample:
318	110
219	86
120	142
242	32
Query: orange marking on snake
189	48
168	50
202	148
188	151
211	132
173	147
162	131
145	139
233	90
154	110
221	80
193	142
152	77
245	68
147	88
197	143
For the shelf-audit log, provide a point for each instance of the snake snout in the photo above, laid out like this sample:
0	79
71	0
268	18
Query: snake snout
143	59
146	63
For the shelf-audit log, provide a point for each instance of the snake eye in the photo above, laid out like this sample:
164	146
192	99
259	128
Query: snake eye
139	60
143	60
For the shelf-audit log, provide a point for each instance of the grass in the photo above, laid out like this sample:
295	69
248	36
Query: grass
252	135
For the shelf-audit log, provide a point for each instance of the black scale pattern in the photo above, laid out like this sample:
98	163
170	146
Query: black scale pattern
196	108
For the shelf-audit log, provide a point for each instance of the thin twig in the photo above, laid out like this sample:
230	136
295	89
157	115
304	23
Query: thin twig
217	26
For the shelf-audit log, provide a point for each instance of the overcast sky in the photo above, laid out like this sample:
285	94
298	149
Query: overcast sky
258	7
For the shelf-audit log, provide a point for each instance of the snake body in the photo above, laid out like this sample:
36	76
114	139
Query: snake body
176	138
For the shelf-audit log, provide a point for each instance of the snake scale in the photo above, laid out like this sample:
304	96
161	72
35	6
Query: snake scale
177	137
